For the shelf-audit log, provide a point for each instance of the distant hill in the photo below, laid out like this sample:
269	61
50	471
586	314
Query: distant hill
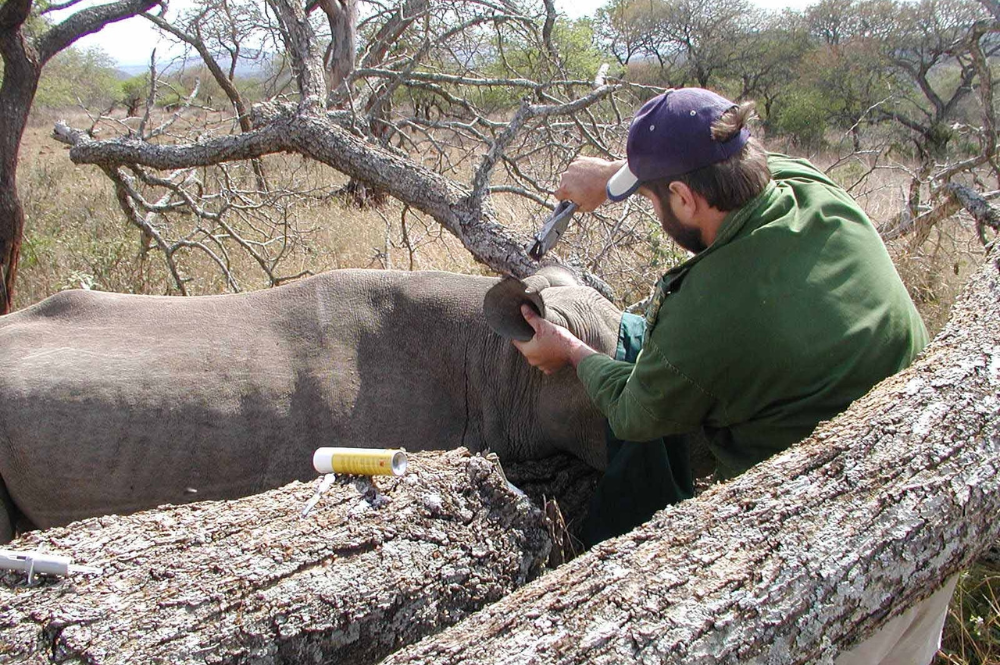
245	68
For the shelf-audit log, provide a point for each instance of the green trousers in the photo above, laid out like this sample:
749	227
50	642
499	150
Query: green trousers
642	477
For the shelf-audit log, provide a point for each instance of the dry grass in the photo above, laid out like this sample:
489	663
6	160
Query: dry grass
76	235
972	633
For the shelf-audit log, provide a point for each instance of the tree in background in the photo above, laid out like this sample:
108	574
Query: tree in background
705	33
838	86
79	78
28	42
846	71
691	41
769	56
626	29
133	93
931	52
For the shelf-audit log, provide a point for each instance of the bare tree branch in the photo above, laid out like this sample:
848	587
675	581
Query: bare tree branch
984	214
440	68
302	47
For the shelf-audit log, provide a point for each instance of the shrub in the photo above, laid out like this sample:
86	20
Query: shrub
802	116
74	77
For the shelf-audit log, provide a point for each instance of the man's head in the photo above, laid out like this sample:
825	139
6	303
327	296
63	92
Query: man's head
690	151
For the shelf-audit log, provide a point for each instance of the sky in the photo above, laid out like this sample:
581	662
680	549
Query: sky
131	41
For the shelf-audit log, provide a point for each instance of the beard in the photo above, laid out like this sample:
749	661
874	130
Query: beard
688	237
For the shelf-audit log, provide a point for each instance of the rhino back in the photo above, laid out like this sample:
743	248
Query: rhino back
113	403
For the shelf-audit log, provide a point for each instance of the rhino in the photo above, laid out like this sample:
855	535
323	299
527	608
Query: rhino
113	403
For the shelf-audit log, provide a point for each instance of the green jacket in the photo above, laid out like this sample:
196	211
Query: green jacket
794	311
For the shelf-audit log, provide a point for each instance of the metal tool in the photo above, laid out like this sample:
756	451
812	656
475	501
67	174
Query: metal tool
320	490
39	563
553	229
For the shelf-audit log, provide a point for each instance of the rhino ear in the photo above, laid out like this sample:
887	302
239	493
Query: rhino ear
558	276
551	276
502	307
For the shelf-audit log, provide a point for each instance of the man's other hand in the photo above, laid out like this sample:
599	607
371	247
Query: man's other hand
552	347
585	182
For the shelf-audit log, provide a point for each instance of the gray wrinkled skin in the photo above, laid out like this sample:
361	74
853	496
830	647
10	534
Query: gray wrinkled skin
114	403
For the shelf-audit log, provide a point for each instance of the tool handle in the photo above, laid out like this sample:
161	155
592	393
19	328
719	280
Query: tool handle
49	564
40	563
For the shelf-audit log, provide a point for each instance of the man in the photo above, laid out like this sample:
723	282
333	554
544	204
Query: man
789	309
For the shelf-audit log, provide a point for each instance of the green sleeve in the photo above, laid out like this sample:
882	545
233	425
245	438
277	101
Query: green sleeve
647	400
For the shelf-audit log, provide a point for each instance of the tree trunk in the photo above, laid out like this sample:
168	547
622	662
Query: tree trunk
251	581
23	59
799	558
339	59
20	79
11	211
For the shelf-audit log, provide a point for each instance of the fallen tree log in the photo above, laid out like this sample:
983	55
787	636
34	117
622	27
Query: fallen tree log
803	556
251	581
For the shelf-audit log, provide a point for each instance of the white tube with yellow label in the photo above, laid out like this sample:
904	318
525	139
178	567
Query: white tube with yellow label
360	461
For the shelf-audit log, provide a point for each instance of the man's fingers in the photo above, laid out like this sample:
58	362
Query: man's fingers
531	317
529	356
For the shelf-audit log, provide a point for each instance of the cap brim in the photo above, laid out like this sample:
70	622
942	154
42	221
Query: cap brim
622	184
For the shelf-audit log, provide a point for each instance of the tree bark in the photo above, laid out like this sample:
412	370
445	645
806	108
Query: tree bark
801	557
251	581
339	59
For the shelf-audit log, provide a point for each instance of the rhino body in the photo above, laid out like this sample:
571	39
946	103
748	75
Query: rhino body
114	403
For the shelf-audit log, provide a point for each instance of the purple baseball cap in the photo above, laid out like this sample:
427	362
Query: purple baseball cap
672	134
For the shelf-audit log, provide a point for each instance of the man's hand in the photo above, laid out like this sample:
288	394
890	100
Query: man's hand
585	182
552	347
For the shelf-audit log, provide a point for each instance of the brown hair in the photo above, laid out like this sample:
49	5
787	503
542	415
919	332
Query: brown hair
733	182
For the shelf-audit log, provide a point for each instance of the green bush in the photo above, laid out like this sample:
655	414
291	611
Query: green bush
133	92
802	116
74	77
573	40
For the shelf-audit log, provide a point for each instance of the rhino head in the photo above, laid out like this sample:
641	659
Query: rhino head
558	296
563	414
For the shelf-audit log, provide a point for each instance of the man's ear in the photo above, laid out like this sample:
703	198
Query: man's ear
687	202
